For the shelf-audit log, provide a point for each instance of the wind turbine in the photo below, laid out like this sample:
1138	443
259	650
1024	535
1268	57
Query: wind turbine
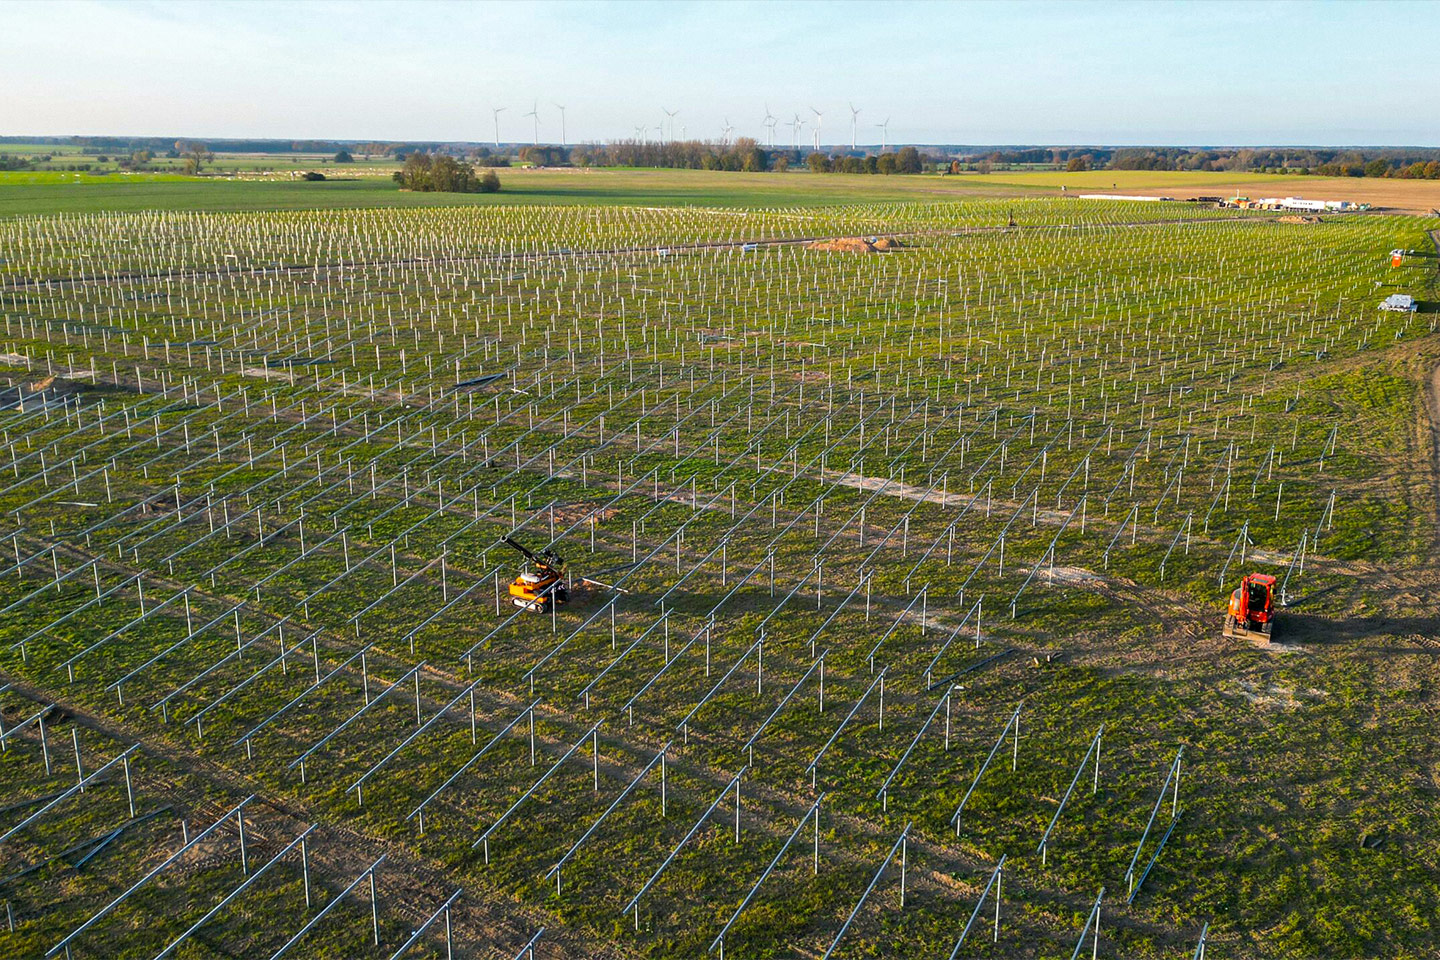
640	134
671	114
818	115
853	114
535	112
884	133
727	128
495	115
795	124
561	108
769	123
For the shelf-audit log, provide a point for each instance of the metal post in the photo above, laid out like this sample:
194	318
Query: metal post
305	868
244	860
129	789
374	908
904	844
79	766
815	870
999	884
1096	785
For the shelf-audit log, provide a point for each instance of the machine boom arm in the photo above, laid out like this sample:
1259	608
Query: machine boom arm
548	561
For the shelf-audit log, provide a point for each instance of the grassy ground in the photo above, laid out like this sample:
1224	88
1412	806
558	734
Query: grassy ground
54	192
76	193
1167	386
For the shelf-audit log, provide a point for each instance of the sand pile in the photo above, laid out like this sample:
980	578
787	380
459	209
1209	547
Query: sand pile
854	245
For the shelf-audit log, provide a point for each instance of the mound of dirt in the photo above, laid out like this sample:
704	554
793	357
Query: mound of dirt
57	386
45	392
1298	219
855	245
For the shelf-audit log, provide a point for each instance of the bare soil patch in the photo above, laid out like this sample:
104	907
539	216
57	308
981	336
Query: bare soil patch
855	245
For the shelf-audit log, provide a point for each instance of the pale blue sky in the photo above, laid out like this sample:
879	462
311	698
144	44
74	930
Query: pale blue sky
1074	72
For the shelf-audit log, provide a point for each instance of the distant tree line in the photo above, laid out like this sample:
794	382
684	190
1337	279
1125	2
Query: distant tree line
1405	163
744	154
904	160
438	173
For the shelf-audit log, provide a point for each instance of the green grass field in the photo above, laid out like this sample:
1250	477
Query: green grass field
252	526
45	193
59	192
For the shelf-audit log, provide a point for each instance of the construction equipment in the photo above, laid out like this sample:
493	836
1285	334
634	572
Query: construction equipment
535	590
1252	609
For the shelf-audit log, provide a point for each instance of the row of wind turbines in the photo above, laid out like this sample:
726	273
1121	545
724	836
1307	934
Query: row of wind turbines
534	114
797	124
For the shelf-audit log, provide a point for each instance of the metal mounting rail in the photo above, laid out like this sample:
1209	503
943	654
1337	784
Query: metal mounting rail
684	724
420	808
820	663
375	767
485	837
659	758
530	674
1173	772
880	678
305	693
629	704
100	598
1094	915
1013	721
355	716
106	910
940	702
995	877
976	608
585	693
67	794
334	902
245	885
813	811
918	598
793	590
163	703
733	782
741	583
1093	748
1153	857
419	931
530	945
256	675
864	581
899	843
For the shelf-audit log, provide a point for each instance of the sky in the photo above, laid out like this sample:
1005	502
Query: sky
1223	74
